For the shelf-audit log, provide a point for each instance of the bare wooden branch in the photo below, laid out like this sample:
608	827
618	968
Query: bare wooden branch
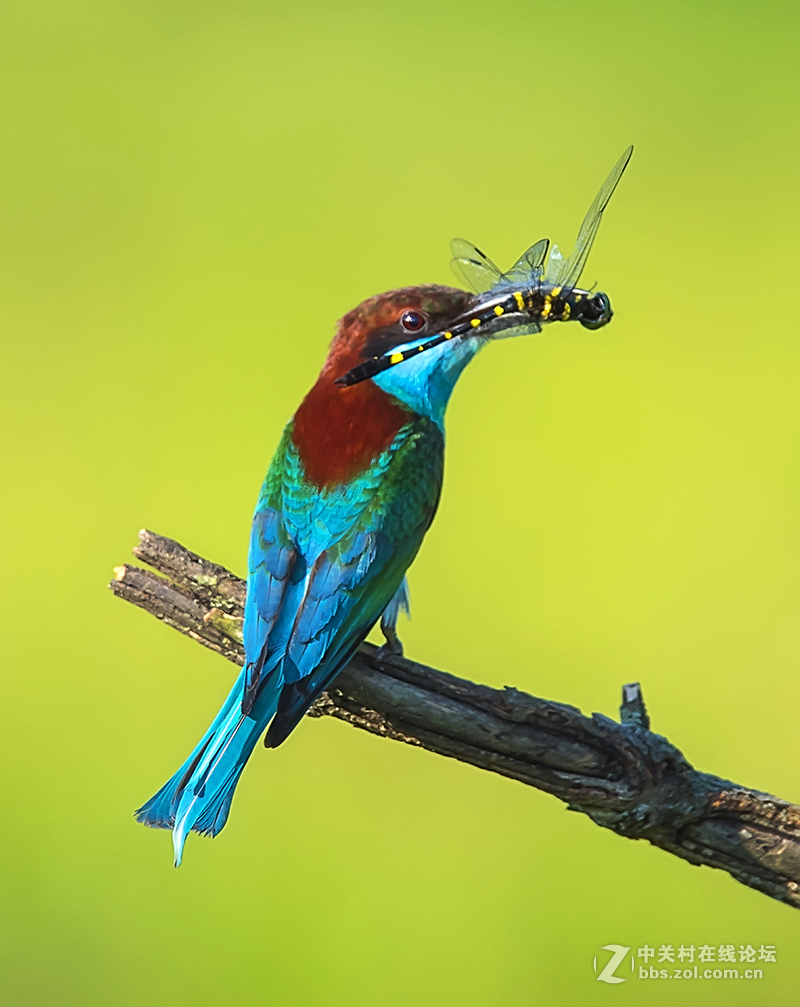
623	776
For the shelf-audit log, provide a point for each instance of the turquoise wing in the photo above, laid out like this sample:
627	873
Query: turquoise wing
357	543
275	567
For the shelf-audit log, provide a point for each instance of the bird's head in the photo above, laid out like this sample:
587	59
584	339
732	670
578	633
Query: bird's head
398	321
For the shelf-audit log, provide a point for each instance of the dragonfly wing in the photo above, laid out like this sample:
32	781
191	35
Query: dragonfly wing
555	265
474	269
566	272
526	273
527	328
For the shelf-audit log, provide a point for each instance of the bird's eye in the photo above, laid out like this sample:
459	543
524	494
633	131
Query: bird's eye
412	321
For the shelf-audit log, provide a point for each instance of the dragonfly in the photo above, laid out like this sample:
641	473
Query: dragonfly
538	289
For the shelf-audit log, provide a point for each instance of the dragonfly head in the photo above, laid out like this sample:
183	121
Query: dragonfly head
596	311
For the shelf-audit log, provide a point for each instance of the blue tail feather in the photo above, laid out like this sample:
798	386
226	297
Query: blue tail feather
198	797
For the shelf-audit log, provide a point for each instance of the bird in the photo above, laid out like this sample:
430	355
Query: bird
351	492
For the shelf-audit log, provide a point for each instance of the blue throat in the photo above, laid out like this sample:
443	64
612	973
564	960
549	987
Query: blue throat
425	383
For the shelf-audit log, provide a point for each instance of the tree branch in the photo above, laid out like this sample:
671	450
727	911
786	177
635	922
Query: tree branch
624	777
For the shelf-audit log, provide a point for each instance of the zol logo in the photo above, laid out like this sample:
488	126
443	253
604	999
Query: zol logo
617	956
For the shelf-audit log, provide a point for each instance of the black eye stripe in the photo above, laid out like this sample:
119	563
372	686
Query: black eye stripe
382	341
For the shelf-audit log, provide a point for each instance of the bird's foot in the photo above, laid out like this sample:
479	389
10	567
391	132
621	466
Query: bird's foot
393	645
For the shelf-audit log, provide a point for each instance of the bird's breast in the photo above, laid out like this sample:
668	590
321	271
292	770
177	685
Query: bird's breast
339	432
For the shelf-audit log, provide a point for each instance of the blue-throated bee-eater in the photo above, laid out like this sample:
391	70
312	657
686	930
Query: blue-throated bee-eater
351	491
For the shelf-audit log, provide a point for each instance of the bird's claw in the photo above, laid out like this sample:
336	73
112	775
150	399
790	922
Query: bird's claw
393	645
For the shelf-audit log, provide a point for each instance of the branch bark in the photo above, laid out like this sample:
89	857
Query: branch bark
623	776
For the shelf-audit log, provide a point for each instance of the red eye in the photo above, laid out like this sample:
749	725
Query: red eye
412	321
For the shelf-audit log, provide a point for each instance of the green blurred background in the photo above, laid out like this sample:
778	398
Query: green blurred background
191	195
